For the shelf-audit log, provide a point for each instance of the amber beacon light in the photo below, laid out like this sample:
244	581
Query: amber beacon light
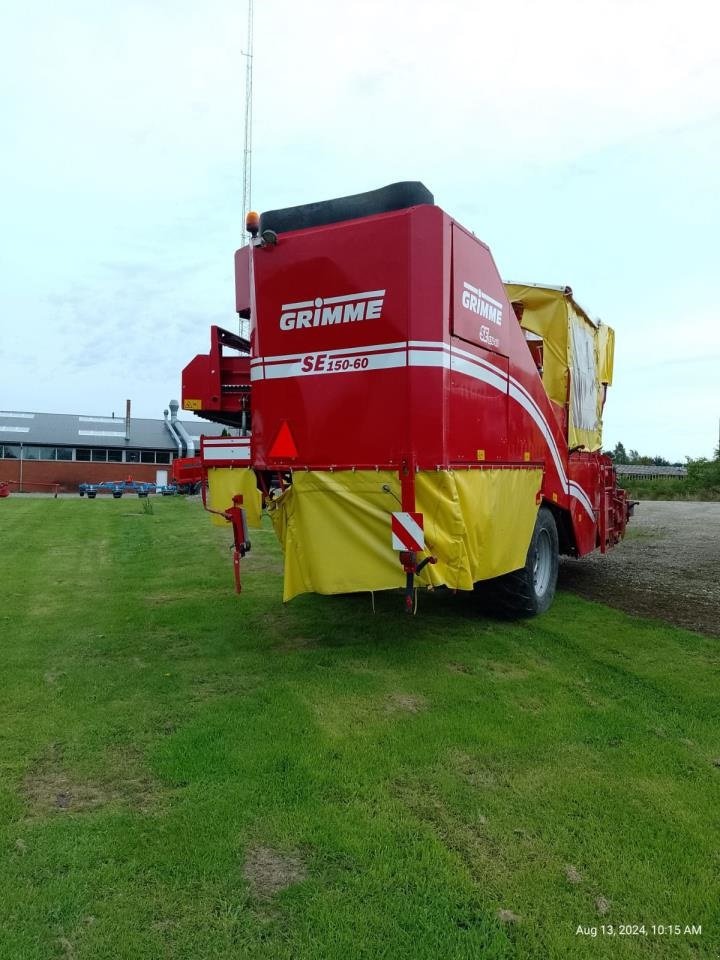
252	222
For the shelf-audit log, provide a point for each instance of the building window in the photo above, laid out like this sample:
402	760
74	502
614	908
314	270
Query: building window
38	453
12	451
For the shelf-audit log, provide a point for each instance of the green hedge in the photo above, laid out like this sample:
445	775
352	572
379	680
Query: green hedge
667	489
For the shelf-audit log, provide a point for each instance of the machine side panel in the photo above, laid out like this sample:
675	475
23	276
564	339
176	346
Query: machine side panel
242	280
509	409
481	314
428	336
329	336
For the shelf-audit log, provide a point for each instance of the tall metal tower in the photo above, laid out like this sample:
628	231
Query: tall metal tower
247	155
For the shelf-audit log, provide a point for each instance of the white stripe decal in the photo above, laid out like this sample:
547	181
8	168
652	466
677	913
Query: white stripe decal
218	449
428	358
495	378
430	344
210	454
338	352
368	295
421	353
345	298
575	490
226	441
519	393
481	293
486	296
526	402
300	303
456	351
314	364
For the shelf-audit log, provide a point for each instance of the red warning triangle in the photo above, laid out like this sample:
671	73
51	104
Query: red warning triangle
284	446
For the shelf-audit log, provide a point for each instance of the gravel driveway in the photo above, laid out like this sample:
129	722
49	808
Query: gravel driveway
668	566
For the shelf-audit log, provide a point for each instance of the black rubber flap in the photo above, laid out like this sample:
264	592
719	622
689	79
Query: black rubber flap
396	196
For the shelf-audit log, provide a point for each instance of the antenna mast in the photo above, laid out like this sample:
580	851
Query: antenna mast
247	155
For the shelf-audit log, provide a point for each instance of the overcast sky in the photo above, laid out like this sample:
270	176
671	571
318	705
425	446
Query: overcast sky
581	142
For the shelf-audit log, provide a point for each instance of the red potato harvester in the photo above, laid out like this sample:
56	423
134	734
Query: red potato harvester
408	418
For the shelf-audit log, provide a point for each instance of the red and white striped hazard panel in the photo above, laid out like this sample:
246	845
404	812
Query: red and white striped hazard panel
407	531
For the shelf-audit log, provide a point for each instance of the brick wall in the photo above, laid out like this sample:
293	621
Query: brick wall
39	475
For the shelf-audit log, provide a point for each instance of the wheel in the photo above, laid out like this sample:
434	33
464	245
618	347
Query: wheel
530	590
116	496
91	496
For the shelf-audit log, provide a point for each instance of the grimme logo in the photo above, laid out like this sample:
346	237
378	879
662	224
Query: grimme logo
482	303
331	310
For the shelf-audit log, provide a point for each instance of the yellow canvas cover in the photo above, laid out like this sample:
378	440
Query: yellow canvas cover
577	356
335	527
224	483
606	350
545	314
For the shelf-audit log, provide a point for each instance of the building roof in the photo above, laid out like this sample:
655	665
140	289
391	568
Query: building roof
637	469
71	430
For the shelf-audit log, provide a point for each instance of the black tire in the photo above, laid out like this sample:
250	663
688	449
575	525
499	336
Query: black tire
530	590
91	496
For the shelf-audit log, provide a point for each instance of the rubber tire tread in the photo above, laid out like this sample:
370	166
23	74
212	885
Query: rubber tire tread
513	595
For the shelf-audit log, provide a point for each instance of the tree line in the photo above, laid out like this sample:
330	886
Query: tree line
703	474
623	456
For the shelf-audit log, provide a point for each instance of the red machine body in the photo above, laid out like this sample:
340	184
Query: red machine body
419	376
187	471
216	385
388	341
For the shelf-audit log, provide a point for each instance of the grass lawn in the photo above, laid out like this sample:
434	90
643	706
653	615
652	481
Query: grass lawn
190	774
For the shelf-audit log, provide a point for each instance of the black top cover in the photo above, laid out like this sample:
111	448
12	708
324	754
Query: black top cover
396	196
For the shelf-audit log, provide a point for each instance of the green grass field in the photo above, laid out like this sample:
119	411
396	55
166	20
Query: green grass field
190	774
667	490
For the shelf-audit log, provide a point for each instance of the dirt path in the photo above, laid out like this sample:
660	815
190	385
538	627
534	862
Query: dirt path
667	567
